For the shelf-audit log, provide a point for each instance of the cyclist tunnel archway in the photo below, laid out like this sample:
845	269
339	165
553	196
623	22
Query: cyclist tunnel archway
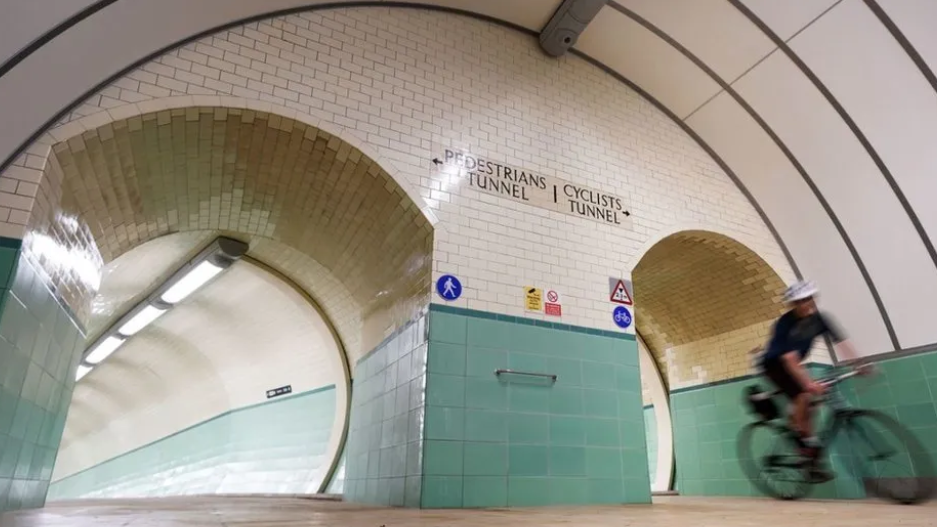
705	301
138	196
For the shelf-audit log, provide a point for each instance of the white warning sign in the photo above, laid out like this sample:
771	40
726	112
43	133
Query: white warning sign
620	293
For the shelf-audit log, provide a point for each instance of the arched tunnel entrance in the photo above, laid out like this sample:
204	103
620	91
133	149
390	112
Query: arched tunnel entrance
705	302
339	258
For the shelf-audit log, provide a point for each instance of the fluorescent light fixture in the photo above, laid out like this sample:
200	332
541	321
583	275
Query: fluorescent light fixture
82	371
212	260
141	320
104	349
195	278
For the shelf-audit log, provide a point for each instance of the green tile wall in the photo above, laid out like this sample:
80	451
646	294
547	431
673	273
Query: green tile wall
278	446
39	351
707	420
906	389
650	432
384	449
513	441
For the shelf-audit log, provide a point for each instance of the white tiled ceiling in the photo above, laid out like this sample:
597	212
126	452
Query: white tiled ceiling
790	16
652	64
717	33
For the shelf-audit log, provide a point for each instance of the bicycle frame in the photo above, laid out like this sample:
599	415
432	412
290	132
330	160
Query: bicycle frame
839	408
833	399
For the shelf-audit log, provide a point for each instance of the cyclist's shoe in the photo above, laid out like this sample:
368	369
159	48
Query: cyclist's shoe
813	465
818	474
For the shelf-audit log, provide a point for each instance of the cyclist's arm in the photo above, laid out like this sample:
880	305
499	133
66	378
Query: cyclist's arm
842	346
792	362
846	351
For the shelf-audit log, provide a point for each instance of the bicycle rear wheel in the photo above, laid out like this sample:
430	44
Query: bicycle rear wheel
771	461
889	459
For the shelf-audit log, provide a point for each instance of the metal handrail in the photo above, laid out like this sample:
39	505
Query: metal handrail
529	374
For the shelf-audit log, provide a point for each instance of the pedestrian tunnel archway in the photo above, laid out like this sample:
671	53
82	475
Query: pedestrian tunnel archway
339	255
705	302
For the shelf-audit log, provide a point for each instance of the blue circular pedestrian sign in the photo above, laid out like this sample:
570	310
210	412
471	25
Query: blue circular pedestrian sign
622	317
449	287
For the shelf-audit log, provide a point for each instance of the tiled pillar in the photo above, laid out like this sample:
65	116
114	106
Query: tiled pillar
432	426
511	440
39	349
384	451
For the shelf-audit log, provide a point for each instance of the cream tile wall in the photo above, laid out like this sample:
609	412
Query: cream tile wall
403	85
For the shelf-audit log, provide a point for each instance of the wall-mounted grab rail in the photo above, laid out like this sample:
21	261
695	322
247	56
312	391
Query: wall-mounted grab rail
550	376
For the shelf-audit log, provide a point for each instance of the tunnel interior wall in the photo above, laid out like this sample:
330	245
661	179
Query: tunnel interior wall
435	80
276	447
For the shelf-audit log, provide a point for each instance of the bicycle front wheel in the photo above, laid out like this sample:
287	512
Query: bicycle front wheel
770	460
890	460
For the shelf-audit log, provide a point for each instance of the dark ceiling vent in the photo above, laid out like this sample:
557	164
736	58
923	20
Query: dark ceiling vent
569	21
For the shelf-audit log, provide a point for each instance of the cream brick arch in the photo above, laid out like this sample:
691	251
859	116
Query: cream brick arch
352	136
706	300
315	206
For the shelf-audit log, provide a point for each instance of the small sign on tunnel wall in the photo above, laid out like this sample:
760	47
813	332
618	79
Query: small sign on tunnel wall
282	390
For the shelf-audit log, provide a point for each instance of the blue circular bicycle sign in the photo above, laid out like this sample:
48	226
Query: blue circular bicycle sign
449	287
622	317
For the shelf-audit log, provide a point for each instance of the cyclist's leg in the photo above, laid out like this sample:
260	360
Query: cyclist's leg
799	417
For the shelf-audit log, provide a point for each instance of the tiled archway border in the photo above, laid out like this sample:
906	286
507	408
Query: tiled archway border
91	122
779	266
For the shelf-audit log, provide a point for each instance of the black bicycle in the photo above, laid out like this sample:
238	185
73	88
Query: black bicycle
887	459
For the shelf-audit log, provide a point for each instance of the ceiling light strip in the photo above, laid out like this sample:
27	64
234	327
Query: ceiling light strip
208	264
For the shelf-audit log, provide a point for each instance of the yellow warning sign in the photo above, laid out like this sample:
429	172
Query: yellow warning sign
533	299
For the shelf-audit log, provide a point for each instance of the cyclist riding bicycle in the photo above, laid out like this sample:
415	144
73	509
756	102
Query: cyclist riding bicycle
792	337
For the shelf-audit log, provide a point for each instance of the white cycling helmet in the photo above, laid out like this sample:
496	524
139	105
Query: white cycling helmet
800	291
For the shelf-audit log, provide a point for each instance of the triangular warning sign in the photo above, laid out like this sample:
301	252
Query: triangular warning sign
620	294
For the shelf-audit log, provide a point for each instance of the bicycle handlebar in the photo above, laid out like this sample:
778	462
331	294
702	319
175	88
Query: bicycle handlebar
829	381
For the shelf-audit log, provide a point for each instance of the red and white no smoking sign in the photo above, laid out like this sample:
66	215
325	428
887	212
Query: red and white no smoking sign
553	306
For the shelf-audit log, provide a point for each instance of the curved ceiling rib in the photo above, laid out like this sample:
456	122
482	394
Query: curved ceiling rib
903	41
52	33
844	115
860	265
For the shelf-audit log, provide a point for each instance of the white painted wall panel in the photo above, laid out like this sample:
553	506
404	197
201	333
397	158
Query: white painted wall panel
24	21
862	199
801	221
917	20
622	44
787	17
713	30
884	92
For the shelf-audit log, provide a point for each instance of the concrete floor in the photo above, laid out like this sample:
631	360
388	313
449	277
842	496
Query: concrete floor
292	512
